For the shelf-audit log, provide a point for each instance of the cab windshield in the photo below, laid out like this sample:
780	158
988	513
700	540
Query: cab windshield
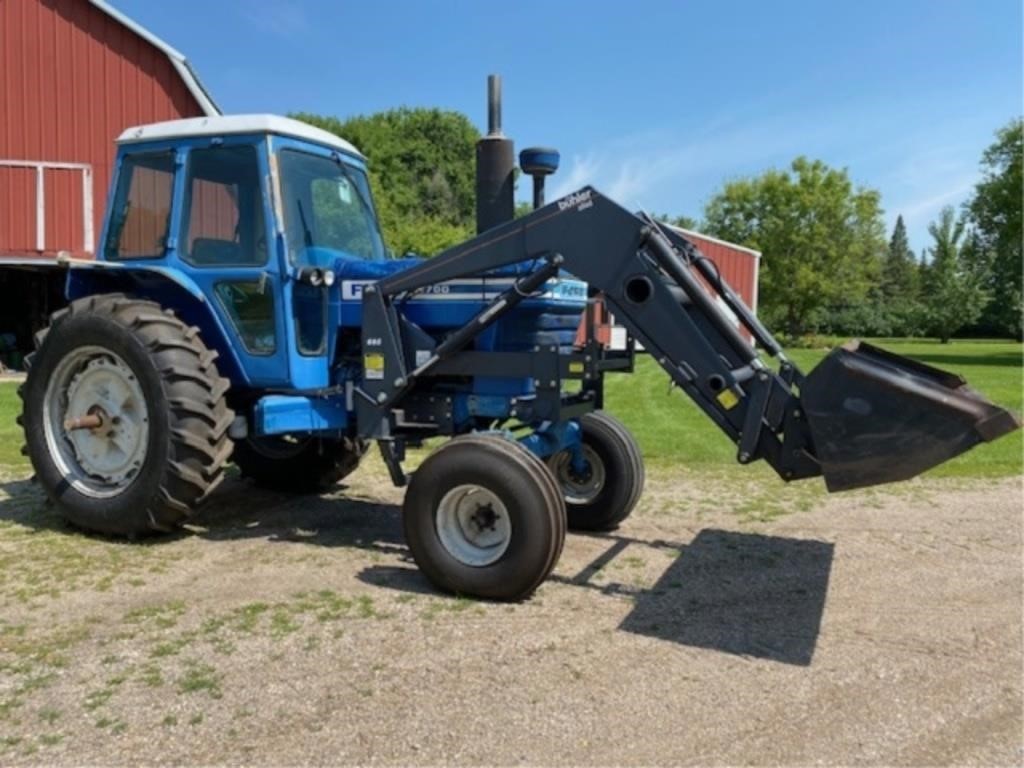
327	205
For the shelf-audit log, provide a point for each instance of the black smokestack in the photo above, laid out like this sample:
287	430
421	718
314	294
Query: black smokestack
495	165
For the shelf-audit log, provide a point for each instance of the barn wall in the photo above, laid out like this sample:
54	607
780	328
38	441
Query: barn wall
737	266
71	80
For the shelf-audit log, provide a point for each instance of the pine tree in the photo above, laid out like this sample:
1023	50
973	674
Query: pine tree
899	270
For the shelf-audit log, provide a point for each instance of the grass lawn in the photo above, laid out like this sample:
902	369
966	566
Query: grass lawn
11	437
672	431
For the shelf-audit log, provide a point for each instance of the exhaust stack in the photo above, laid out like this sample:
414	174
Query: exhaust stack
495	164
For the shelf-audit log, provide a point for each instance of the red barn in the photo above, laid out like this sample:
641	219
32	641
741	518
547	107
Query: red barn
737	265
73	75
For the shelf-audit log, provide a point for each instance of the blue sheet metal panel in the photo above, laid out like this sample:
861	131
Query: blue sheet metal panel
452	304
555	439
283	414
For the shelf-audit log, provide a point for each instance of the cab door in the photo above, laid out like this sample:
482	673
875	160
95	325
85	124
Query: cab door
226	245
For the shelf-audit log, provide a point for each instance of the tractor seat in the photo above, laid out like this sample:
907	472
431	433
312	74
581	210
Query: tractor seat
208	251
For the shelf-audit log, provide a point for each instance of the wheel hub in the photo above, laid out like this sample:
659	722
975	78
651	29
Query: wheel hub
97	422
473	525
579	487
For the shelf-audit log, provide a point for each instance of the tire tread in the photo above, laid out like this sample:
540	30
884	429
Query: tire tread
194	393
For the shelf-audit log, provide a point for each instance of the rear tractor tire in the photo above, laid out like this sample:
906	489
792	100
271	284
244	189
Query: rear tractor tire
124	416
297	464
484	518
606	493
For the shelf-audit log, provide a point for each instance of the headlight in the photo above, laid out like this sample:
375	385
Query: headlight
311	275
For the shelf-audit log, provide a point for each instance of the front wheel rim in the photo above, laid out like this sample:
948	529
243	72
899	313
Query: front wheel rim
104	457
473	525
577	489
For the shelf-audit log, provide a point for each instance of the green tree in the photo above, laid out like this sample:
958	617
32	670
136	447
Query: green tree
899	270
895	303
996	213
421	165
822	239
954	279
523	208
682	221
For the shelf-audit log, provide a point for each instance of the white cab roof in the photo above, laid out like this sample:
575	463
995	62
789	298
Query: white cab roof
220	125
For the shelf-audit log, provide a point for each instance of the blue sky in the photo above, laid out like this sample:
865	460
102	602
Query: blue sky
655	103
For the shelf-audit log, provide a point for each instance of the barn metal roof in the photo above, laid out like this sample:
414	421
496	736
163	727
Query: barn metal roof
178	60
220	125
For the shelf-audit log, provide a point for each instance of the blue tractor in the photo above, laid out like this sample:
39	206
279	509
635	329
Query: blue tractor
244	308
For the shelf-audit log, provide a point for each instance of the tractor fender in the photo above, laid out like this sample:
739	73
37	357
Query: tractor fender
172	290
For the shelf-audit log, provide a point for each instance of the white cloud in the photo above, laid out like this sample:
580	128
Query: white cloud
632	169
582	170
286	18
925	180
672	170
927	208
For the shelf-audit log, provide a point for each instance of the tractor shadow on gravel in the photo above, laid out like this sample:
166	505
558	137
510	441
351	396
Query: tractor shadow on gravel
236	511
22	502
243	511
741	593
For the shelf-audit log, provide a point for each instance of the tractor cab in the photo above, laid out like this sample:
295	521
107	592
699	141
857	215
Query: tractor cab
251	215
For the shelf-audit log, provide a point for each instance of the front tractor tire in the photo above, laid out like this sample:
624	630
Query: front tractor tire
297	464
124	416
604	495
484	518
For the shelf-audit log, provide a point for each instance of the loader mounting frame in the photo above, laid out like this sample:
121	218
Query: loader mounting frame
649	279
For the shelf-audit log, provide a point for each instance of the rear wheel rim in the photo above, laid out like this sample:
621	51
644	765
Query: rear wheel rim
100	461
579	489
473	525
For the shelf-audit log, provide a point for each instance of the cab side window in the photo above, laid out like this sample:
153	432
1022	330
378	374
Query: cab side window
142	207
223	217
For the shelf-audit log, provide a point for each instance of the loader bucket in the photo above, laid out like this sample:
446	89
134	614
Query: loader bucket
876	417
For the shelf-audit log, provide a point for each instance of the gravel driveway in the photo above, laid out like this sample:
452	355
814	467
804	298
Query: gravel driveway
727	622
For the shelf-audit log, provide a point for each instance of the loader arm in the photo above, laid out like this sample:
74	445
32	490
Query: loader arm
864	417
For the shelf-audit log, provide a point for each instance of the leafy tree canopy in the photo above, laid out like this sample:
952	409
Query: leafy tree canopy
682	221
954	279
996	213
422	172
822	239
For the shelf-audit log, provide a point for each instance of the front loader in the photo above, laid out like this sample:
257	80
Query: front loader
244	300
